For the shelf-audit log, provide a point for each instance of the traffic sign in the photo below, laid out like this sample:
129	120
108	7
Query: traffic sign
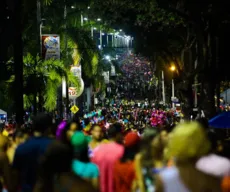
74	109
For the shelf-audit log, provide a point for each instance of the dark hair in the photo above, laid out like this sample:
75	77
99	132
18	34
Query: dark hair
42	122
204	122
129	153
87	121
114	129
82	155
145	145
76	119
19	134
226	149
56	160
213	139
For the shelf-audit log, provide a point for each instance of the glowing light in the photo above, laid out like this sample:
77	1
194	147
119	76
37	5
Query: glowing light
107	57
172	68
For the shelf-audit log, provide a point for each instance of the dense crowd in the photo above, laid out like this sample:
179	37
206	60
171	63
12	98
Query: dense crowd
114	150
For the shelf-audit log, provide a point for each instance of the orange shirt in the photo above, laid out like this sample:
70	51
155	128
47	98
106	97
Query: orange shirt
226	184
124	175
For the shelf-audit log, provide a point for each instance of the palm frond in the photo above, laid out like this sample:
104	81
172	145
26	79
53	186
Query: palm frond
53	82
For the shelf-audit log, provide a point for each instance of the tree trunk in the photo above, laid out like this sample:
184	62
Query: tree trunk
40	101
18	62
35	103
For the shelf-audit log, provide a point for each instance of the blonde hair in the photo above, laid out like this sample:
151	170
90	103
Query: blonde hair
188	140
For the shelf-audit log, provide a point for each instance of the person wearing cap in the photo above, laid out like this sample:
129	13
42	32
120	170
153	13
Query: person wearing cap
81	164
124	171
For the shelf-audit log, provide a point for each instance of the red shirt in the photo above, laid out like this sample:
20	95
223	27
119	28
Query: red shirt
124	175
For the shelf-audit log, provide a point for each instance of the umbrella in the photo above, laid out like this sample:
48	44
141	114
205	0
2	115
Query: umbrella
221	121
2	112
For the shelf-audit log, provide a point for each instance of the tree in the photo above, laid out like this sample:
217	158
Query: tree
43	78
189	20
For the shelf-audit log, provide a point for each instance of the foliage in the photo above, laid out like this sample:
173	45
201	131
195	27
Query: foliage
46	77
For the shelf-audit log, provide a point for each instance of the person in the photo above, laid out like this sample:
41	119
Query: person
26	158
149	161
124	171
81	165
212	163
87	127
96	139
19	137
55	173
188	142
107	154
5	170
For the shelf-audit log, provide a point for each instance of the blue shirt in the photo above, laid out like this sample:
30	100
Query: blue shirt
26	160
85	170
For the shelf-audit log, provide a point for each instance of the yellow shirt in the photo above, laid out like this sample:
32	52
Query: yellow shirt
5	133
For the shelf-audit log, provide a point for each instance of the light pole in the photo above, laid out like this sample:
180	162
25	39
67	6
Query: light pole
173	68
163	88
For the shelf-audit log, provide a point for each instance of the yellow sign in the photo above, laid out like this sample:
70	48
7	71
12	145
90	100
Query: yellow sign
74	109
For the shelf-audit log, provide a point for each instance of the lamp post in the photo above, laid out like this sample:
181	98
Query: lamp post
163	88
173	68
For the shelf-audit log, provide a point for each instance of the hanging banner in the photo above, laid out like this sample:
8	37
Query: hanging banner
50	46
113	70
106	77
76	70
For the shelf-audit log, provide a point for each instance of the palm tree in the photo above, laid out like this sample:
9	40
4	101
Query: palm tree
42	78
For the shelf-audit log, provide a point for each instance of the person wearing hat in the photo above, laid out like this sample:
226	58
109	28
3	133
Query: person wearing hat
188	142
124	171
81	165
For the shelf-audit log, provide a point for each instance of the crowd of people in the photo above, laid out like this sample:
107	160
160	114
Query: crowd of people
110	151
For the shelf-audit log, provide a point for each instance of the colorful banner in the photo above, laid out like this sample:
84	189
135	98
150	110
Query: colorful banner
50	46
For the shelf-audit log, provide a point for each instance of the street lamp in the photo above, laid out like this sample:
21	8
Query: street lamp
173	68
107	57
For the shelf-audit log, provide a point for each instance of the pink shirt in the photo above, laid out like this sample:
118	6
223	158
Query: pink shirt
105	157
